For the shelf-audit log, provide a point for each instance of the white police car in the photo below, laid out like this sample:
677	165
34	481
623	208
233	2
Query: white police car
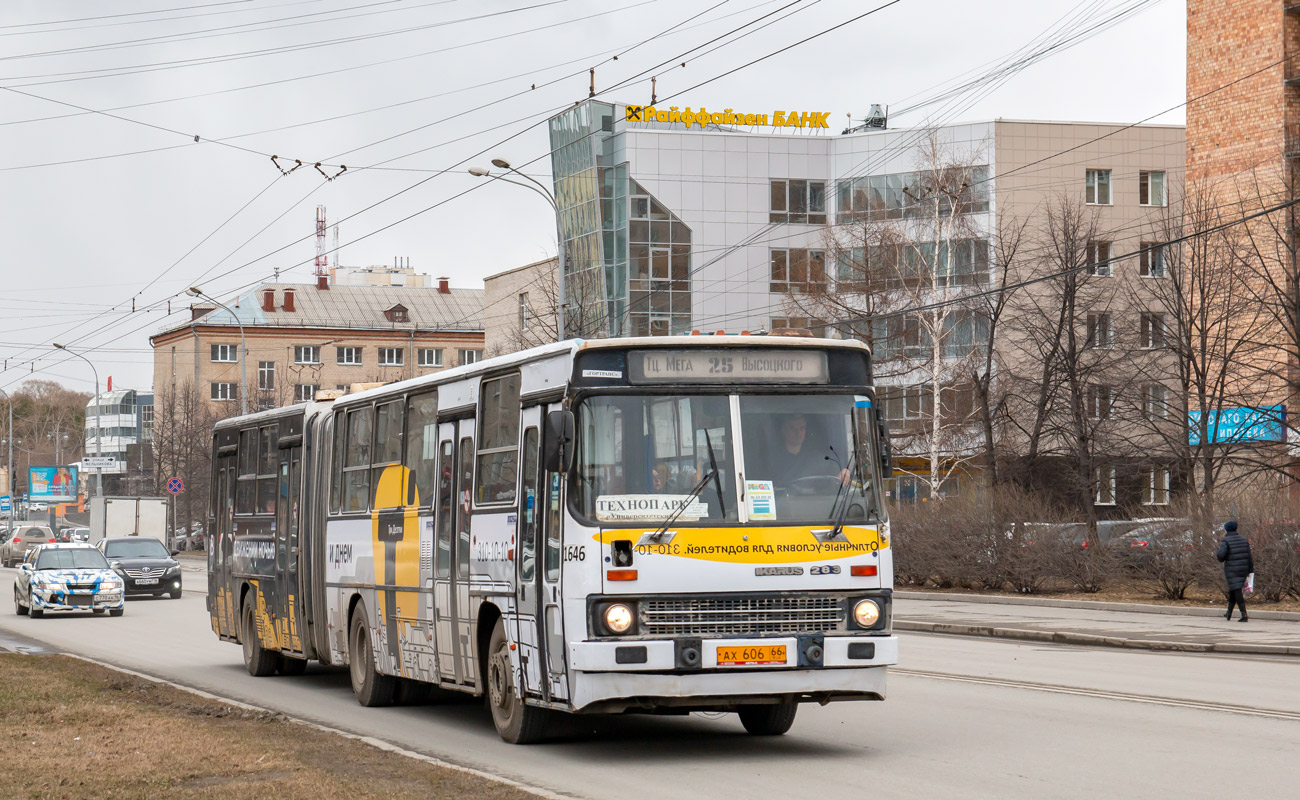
67	577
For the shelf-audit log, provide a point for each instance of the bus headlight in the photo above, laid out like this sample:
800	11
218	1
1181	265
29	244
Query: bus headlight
866	613
618	617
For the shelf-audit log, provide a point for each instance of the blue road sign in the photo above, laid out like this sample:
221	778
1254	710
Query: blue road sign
175	486
1238	425
4	503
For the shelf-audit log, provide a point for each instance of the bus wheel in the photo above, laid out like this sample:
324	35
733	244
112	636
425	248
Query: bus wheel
371	688
772	720
516	722
291	666
259	661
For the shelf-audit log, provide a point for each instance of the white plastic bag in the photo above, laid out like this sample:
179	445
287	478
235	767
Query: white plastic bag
1249	588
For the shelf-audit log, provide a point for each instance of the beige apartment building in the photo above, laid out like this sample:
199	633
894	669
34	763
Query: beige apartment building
519	307
305	337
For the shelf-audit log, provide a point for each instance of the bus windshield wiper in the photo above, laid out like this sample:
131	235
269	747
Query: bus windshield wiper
691	496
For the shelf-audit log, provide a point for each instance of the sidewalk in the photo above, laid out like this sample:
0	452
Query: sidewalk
1105	624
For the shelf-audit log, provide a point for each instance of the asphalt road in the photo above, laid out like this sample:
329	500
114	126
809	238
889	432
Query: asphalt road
964	718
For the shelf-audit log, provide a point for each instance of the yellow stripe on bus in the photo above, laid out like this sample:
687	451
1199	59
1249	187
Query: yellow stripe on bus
783	545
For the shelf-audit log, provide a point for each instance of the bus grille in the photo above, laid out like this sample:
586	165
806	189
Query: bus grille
740	616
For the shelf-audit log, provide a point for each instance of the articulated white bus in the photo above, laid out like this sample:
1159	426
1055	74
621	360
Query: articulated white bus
656	525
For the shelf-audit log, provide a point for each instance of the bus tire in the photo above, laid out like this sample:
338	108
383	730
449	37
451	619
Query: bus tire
370	688
291	666
259	661
515	721
768	720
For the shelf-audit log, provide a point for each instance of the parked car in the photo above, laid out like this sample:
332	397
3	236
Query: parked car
78	534
23	539
67	577
144	564
38	507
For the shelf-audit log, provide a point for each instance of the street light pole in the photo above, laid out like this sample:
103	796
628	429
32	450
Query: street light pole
99	434
546	194
9	490
243	348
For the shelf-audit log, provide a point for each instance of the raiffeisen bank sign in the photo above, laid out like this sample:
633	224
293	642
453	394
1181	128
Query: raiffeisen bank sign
703	117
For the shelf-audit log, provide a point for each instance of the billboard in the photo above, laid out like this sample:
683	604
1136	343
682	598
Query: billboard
1239	425
52	484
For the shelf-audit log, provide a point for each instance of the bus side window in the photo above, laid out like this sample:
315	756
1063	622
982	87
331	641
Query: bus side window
466	481
528	510
268	461
498	440
356	461
421	448
336	463
387	452
445	506
553	527
246	482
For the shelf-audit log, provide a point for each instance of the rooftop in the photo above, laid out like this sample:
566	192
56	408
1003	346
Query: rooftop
361	307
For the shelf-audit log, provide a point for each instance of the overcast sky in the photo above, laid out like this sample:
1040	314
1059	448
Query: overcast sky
82	239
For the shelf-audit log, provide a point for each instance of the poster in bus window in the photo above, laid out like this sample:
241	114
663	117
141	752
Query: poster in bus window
52	484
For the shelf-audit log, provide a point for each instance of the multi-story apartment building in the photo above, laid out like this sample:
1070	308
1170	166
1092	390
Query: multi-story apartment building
903	237
304	337
519	307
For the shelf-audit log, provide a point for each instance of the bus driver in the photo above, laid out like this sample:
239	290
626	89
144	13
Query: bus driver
795	458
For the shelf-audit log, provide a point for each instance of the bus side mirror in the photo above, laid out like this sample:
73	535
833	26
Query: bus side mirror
557	444
886	450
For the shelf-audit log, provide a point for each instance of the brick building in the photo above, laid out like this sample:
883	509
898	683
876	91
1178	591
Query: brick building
305	337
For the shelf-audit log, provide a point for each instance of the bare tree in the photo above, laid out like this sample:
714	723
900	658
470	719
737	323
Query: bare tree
183	448
903	274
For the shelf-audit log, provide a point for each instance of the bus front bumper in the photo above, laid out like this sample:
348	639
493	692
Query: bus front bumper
607	679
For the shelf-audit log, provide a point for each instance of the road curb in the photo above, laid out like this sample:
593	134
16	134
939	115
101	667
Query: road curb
1091	639
1097	605
370	740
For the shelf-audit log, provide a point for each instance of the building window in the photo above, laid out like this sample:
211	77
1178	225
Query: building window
306	354
1155	491
1099	401
798	270
469	356
430	356
224	391
1151	262
1101	331
306	392
525	311
1155	401
1151	331
349	356
342	387
1097	190
266	375
391	356
908	402
1104	479
225	353
1151	188
146	422
800	201
817	326
895	196
1098	256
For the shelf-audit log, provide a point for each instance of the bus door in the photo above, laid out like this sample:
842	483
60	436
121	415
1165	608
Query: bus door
221	545
548	579
454	628
288	602
532	655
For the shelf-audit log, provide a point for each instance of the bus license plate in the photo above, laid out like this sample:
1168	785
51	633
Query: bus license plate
751	656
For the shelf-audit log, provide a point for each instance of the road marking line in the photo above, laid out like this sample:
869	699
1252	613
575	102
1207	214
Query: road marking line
370	740
1103	694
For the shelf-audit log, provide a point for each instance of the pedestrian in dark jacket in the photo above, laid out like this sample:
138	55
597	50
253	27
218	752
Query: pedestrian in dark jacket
1234	552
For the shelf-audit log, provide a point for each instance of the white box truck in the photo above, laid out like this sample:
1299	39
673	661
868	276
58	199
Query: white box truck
128	516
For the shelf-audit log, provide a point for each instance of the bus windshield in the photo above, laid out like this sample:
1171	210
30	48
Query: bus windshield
641	456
